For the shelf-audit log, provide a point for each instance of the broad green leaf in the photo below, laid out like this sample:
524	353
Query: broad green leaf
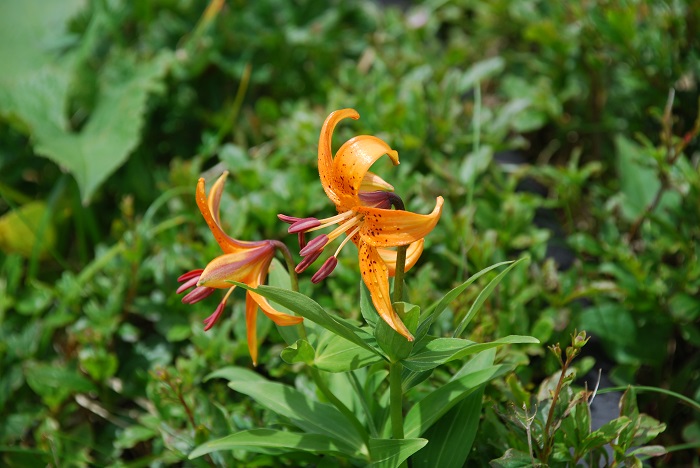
269	441
301	351
395	345
113	129
638	180
307	414
647	429
434	405
433	312
438	351
451	437
336	354
28	29
390	453
35	94
132	435
515	459
483	295
55	383
311	310
604	435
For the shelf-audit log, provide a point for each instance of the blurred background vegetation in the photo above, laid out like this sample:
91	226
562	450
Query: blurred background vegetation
562	130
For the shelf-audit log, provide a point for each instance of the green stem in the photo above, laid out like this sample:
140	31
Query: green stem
396	368
301	329
549	438
396	400
293	278
399	275
398	204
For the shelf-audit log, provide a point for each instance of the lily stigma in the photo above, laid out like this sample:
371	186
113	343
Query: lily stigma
243	262
363	201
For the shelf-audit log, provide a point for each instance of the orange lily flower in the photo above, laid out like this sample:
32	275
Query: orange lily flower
243	262
363	202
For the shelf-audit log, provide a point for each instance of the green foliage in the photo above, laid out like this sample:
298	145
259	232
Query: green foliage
558	431
102	364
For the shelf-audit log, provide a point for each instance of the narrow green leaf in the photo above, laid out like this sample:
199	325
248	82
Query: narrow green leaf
369	313
451	438
235	374
307	414
269	441
483	295
311	310
438	351
390	453
649	451
433	312
480	71
433	406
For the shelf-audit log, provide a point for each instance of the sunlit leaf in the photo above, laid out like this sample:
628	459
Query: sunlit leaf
390	453
269	441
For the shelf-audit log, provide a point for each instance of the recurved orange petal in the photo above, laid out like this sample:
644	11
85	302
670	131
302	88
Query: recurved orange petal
351	163
375	274
209	207
251	327
413	253
390	228
325	150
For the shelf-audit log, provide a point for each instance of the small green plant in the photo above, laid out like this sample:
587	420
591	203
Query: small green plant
556	423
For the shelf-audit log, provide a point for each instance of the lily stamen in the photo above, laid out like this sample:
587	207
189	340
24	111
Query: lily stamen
325	270
315	244
307	261
346	240
339	218
337	232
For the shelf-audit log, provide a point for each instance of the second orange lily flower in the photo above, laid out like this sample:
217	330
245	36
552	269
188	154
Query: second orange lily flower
243	262
363	202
